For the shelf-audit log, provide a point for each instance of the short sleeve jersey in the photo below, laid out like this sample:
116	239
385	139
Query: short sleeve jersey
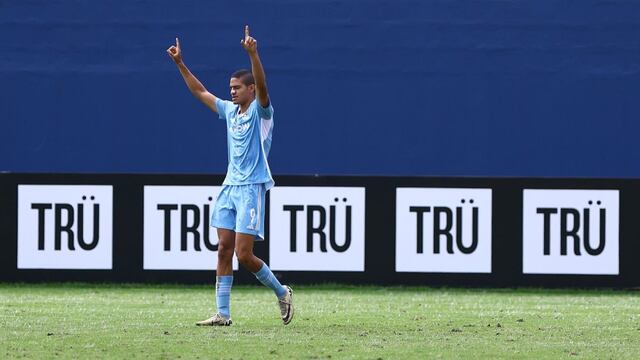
248	142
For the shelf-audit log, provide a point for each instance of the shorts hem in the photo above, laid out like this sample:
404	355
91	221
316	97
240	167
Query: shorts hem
223	227
259	236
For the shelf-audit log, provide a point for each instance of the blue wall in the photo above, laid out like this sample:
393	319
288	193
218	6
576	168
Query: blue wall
395	87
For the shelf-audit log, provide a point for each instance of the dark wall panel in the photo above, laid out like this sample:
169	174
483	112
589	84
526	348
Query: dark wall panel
374	87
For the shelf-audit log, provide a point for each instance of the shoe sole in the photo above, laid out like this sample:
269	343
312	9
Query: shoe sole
225	324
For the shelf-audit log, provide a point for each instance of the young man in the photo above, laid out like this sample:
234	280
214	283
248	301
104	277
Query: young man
239	211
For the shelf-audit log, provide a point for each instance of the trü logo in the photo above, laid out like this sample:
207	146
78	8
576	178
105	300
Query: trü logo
443	230
177	231
65	226
317	228
570	231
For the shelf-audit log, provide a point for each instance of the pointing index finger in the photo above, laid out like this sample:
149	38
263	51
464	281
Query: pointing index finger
246	31
177	43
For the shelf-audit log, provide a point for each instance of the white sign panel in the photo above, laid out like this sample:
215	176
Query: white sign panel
177	231
65	226
317	228
443	230
570	232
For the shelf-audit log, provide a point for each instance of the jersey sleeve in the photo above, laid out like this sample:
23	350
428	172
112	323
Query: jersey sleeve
266	113
223	107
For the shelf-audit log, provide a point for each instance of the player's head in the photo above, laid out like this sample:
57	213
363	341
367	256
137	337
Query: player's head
242	86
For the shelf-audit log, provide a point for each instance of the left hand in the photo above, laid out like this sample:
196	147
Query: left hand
248	43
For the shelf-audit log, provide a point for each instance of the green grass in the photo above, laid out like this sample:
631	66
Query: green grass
141	321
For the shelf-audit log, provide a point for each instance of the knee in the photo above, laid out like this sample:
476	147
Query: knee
225	253
244	257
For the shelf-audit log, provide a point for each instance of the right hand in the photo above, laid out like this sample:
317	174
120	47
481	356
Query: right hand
175	53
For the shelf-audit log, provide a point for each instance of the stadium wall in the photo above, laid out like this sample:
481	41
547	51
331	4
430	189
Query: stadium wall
361	230
376	87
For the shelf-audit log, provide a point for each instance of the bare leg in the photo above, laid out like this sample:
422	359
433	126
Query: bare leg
224	280
244	252
226	244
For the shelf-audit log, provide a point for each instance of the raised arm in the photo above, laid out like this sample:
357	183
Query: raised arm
195	86
251	46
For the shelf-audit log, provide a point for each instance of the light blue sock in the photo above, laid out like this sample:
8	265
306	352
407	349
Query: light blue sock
223	294
266	277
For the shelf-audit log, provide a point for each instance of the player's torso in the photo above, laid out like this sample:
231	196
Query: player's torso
244	141
249	141
243	134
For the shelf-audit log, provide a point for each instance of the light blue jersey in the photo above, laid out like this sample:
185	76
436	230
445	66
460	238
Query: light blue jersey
248	143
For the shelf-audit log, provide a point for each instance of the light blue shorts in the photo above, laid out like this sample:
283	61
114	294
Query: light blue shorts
240	208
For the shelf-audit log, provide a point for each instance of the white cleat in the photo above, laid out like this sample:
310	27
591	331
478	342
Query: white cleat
215	320
286	306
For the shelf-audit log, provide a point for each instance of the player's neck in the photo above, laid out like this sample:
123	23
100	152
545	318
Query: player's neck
244	107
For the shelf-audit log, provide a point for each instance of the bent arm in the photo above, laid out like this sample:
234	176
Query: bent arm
197	89
195	86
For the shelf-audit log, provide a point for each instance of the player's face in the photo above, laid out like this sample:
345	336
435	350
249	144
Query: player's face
240	93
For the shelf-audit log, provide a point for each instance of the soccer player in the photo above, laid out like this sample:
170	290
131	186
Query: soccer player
239	211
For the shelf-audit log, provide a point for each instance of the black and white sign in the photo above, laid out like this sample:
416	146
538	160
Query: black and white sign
177	231
65	226
317	228
443	230
570	232
492	232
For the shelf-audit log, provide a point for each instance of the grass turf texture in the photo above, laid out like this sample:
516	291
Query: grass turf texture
147	321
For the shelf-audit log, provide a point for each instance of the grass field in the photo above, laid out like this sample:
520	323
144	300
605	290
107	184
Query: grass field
141	321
